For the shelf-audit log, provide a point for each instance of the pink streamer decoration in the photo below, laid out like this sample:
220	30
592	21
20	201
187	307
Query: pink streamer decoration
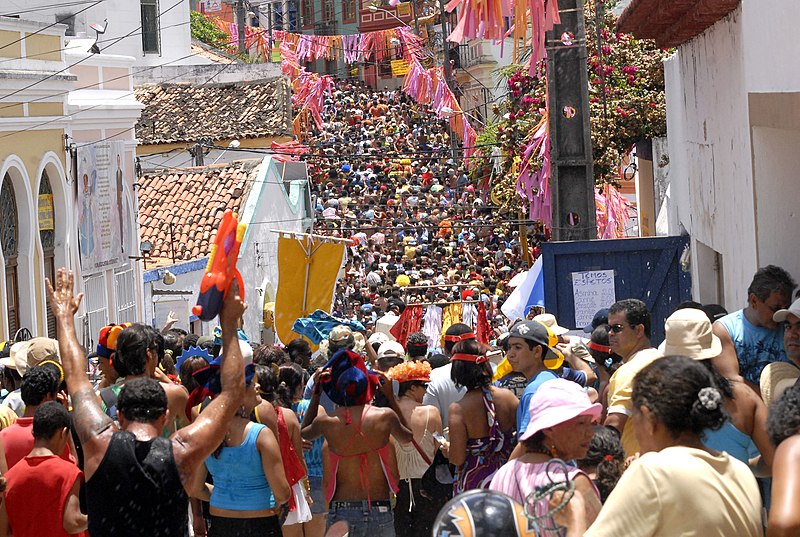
534	186
425	86
612	213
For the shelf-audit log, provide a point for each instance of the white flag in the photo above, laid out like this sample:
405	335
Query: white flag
529	293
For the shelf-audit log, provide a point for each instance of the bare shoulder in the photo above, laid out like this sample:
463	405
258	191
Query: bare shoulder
92	424
172	388
175	392
290	417
745	395
503	394
722	333
424	410
789	450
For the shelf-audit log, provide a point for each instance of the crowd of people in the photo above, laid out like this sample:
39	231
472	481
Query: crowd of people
421	425
386	175
383	436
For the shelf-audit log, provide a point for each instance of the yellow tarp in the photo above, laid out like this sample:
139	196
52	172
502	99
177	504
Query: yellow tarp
323	261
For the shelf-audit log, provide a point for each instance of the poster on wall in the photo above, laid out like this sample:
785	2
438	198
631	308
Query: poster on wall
210	6
592	291
101	172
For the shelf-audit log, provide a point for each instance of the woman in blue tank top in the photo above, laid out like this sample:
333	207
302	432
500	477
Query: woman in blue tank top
249	482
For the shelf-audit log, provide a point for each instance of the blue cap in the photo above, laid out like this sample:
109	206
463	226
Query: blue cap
600	318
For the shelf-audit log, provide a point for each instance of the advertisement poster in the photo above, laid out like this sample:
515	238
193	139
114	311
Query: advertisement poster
101	172
210	6
592	290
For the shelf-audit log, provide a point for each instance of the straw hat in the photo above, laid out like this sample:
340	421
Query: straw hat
549	320
688	333
776	378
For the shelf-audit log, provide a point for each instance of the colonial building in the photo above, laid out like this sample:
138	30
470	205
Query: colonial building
58	103
733	131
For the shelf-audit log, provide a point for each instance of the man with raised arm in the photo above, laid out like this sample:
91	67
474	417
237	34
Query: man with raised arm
135	479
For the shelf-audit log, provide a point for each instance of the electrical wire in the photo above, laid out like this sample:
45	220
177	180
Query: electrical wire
27	35
51	75
126	95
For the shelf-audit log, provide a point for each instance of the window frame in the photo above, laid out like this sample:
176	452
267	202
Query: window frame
156	31
354	15
307	12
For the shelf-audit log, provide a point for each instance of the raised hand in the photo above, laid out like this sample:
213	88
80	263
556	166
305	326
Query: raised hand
62	299
233	307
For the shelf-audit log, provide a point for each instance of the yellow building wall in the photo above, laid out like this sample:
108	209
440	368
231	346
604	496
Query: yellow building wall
7	50
31	146
11	109
45	109
43	47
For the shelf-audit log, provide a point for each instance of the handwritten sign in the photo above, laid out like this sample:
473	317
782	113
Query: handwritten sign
399	67
592	290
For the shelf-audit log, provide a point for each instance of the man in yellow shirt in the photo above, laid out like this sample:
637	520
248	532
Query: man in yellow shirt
629	324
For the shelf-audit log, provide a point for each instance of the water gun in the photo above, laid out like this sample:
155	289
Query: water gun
221	269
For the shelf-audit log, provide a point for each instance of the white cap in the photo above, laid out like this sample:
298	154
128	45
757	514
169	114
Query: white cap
781	315
391	349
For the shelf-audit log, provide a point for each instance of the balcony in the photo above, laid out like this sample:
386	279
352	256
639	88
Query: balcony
471	54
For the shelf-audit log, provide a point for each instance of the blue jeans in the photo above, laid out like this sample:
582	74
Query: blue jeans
363	522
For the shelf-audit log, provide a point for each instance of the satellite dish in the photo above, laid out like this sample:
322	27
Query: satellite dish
99	29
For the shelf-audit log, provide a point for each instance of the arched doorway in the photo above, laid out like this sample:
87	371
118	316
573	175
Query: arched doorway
47	235
9	241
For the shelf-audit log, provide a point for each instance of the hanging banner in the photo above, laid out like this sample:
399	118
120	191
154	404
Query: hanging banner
307	273
46	218
100	202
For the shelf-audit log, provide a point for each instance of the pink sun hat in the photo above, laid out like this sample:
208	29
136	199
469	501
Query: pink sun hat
555	402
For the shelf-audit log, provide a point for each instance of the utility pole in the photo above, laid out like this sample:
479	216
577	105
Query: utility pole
448	68
240	16
572	174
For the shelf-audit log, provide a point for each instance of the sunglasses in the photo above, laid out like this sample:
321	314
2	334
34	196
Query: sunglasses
616	328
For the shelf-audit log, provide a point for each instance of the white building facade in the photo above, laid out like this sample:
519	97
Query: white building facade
153	32
733	129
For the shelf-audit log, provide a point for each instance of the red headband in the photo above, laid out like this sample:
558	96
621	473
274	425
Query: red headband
463	357
462	337
597	347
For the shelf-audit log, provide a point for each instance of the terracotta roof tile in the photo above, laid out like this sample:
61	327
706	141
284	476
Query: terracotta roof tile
188	200
176	113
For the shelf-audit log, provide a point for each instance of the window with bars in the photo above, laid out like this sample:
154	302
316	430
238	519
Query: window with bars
9	226
150	27
308	12
328	11
47	235
94	288
125	285
348	10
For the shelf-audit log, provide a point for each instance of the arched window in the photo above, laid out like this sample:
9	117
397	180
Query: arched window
47	234
9	235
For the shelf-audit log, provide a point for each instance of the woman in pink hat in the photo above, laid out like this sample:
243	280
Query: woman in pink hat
561	417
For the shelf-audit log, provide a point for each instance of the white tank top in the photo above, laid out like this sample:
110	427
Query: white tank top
410	464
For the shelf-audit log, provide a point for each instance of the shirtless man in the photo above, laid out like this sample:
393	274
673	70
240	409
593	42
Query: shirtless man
358	442
136	480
